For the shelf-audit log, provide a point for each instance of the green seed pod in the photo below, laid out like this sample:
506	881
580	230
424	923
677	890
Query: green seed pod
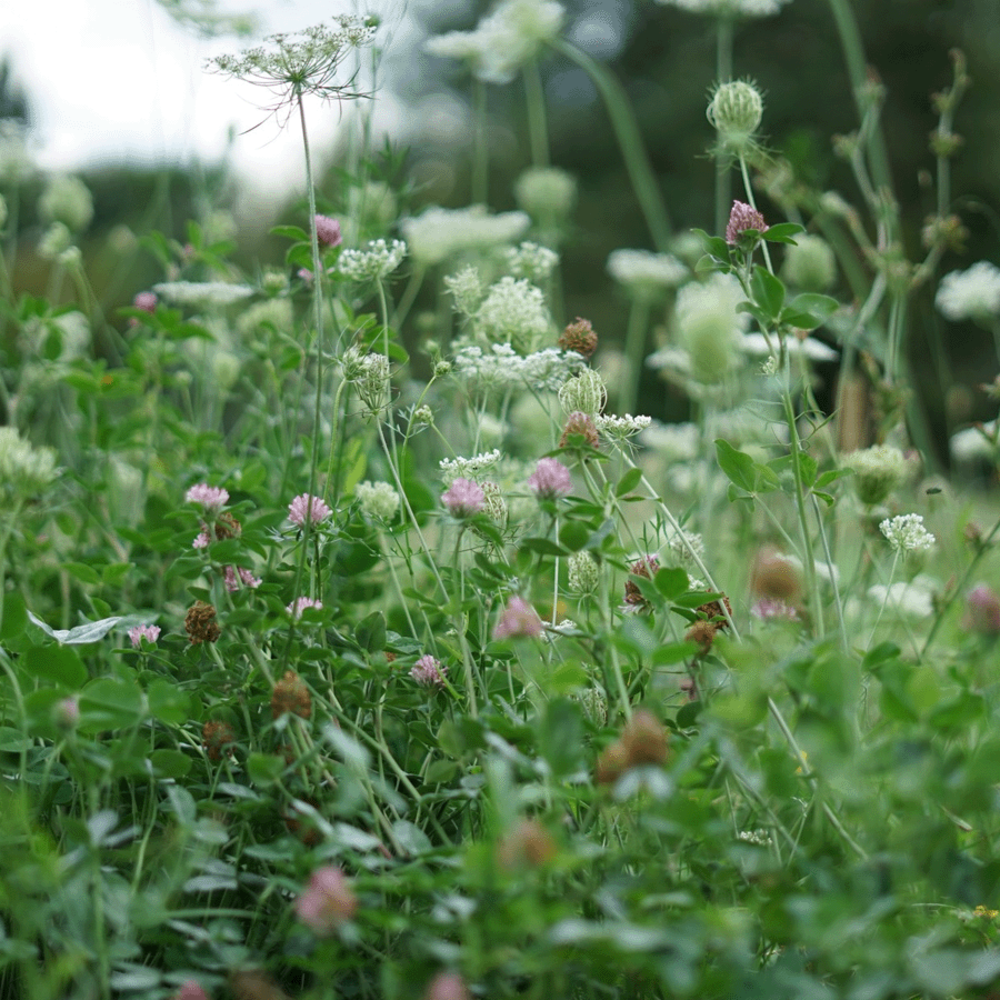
736	110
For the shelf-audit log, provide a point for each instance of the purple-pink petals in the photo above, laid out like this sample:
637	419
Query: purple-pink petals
148	632
741	218
327	902
428	672
211	498
550	480
146	301
518	618
299	605
464	498
192	990
245	576
982	610
328	231
769	609
307	508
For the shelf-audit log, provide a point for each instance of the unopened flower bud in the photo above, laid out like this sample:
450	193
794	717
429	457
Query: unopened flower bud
736	110
584	573
584	393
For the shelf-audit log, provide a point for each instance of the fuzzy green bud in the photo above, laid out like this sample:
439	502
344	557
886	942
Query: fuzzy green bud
68	200
736	110
584	393
584	573
877	472
546	192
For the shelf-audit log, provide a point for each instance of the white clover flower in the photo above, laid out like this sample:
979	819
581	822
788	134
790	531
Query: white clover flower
377	500
375	263
546	192
24	469
531	261
466	288
504	40
728	8
914	599
906	533
810	347
620	428
438	233
474	468
202	293
643	272
513	312
68	200
971	294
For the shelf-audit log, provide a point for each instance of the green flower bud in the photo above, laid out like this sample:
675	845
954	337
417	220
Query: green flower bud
736	110
810	265
584	393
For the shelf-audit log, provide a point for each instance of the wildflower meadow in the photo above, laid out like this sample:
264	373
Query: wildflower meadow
367	631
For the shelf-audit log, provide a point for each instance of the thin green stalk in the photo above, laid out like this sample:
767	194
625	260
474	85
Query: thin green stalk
635	342
633	149
480	144
538	131
723	74
752	202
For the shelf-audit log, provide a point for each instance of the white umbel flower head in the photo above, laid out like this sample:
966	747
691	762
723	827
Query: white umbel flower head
971	294
375	263
504	40
438	233
913	600
202	293
728	8
906	533
810	263
531	261
645	273
513	312
68	200
546	193
877	472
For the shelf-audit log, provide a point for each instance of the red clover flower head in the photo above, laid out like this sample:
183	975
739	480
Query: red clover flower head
447	986
146	301
328	231
327	902
464	498
245	578
307	508
983	610
519	618
741	218
428	672
192	990
299	605
211	498
550	480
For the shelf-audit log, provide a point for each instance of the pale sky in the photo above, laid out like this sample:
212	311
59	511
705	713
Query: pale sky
117	81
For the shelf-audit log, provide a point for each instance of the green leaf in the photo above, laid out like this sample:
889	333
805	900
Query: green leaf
737	465
807	468
291	233
170	763
15	616
715	246
110	703
167	703
831	476
783	232
671	581
560	740
543	546
673	652
768	292
370	632
83	572
574	535
264	769
628	482
57	665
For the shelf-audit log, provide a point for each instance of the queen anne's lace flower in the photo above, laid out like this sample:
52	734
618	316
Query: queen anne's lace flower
500	367
202	293
475	467
373	264
531	261
906	533
437	233
619	428
645	272
513	312
728	8
546	192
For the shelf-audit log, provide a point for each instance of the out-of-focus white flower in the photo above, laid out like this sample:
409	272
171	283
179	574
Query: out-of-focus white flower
202	293
975	444
504	40
24	469
619	428
645	273
708	326
474	468
500	367
810	263
68	200
971	294
15	163
437	233
728	8
531	261
877	471
674	442
547	193
914	599
466	288
377	500
810	347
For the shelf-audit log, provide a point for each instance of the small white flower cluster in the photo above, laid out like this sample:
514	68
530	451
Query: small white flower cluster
474	468
728	8
501	367
709	328
809	347
202	293
620	428
971	294
645	272
378	500
378	261
684	545
674	442
513	312
975	443
438	233
759	837
531	261
466	288
503	41
370	373
914	599
906	533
